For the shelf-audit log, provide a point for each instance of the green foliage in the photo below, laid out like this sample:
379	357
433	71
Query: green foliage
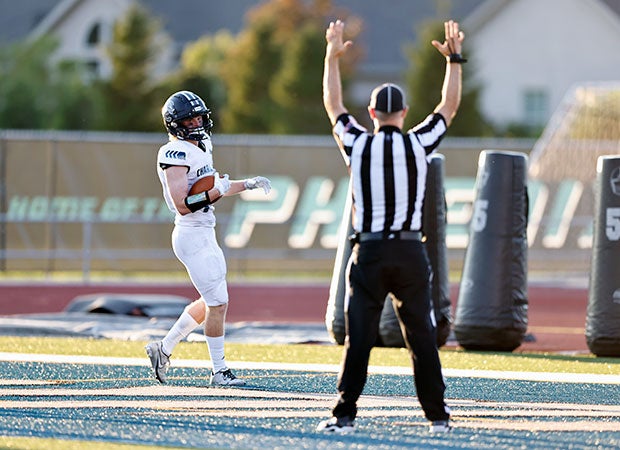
79	105
317	354
25	79
204	56
518	130
247	73
283	39
425	79
297	88
129	100
37	93
199	72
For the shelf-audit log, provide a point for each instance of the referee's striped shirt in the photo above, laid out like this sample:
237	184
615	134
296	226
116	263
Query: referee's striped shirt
388	171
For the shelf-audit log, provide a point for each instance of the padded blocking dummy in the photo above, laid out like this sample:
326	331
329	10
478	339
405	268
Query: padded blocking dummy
492	306
334	314
603	312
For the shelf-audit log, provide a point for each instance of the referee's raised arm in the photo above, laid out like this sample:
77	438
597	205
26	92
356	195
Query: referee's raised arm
332	84
451	91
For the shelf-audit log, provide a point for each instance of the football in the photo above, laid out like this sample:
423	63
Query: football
202	184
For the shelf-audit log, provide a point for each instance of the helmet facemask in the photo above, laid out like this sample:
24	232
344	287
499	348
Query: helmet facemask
193	134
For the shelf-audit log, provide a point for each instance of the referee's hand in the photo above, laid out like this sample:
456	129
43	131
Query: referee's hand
335	46
454	40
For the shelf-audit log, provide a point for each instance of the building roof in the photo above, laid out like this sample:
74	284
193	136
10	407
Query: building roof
188	20
19	18
614	5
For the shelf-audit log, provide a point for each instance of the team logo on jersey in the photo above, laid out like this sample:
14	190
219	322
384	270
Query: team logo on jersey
204	170
175	154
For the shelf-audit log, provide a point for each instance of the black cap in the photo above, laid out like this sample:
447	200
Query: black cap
387	98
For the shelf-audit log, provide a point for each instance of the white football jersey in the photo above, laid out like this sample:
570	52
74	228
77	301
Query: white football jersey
200	164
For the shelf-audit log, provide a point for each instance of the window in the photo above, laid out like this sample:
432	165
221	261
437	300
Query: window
94	35
536	107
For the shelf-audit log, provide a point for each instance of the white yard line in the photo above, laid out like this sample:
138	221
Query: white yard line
332	368
156	400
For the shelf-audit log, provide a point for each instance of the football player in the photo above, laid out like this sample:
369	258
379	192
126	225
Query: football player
186	158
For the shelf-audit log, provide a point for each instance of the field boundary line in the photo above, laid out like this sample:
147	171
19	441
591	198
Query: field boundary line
561	377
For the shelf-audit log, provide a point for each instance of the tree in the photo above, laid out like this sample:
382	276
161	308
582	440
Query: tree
425	78
25	95
78	105
283	39
247	74
37	93
199	72
297	88
203	59
130	103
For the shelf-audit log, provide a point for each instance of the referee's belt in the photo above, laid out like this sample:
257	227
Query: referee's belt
390	235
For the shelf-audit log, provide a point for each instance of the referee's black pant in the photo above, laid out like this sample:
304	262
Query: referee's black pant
400	268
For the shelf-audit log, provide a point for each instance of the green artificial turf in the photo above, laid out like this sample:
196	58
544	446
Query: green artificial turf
318	354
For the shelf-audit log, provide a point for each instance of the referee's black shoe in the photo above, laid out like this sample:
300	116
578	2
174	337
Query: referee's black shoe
440	426
339	425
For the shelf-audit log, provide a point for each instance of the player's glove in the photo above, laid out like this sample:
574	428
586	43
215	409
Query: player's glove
258	182
222	183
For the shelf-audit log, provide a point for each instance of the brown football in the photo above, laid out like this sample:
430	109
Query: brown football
202	184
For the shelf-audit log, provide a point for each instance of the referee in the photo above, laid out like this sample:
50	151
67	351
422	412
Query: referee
388	175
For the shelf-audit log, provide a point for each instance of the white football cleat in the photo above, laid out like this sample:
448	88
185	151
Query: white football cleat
159	360
225	377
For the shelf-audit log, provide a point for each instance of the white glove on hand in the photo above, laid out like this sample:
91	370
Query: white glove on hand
258	182
222	184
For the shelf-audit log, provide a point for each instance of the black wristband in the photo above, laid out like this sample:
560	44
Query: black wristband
197	201
457	58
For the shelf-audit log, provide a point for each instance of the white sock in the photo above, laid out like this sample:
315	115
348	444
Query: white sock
216	350
184	325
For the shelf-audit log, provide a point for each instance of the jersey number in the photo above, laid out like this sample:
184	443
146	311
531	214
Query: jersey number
479	220
613	224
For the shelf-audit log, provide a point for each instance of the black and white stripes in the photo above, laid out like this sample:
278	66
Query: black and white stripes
388	171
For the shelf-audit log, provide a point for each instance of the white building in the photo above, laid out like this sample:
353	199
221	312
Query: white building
528	53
